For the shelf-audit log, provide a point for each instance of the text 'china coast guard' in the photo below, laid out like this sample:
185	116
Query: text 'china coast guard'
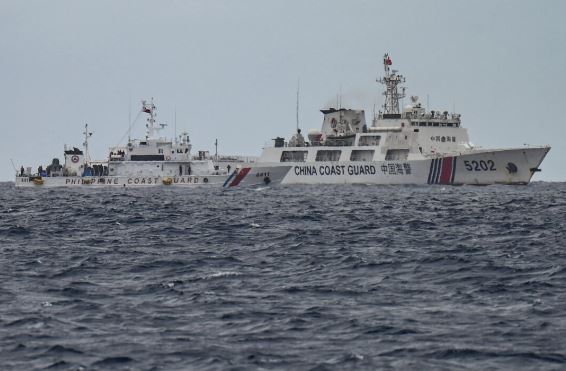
412	146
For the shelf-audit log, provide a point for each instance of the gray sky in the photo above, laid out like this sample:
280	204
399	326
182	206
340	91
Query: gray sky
231	67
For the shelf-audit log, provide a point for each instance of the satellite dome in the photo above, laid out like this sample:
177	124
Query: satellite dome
314	135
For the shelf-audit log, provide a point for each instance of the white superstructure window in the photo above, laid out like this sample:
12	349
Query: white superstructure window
369	140
294	156
328	155
396	154
362	155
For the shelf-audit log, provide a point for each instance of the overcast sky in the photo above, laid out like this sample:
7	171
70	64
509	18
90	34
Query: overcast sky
230	69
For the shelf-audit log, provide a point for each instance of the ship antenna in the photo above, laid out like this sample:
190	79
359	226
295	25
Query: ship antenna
391	80
85	144
14	166
298	89
340	106
129	118
175	124
216	149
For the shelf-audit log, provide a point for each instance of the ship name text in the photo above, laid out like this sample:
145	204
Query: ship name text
353	170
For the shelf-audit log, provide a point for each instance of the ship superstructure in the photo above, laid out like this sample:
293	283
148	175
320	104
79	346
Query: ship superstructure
153	160
401	146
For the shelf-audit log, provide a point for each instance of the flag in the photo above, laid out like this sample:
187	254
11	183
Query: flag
388	61
146	110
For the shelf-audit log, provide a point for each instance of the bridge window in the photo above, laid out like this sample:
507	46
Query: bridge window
362	155
396	154
294	156
369	140
328	155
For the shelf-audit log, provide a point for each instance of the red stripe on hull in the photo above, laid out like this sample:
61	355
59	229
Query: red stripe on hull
446	172
241	174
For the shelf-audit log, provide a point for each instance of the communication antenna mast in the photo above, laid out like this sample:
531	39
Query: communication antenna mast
175	125
129	118
298	89
152	127
216	149
393	92
340	118
85	143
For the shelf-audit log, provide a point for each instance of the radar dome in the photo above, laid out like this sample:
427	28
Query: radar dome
314	135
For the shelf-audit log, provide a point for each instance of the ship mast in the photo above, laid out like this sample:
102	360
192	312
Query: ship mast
393	92
152	127
85	143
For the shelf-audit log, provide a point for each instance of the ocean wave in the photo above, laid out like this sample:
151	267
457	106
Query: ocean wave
328	277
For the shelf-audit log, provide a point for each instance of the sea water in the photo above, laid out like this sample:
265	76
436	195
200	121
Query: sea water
298	277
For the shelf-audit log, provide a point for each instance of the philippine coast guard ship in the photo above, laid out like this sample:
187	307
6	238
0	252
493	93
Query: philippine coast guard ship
152	161
411	146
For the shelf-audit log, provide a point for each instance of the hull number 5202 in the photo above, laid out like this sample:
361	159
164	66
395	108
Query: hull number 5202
481	165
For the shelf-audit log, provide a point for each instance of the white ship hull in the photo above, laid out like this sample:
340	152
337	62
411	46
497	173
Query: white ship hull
247	176
503	166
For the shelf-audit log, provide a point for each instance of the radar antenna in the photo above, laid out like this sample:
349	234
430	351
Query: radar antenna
393	92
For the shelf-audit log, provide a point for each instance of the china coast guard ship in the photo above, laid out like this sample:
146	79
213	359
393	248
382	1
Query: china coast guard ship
152	161
411	146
